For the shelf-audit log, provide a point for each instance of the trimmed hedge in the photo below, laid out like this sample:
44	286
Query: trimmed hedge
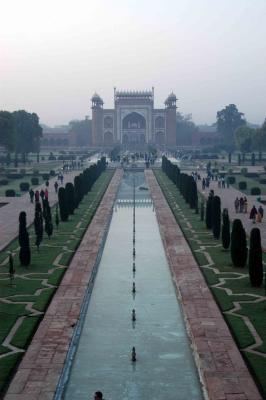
10	193
244	171
255	191
3	182
45	177
35	181
52	172
24	186
231	180
35	172
251	175
242	185
262	181
14	176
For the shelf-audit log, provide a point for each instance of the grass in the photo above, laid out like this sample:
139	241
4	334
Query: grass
30	284
198	237
251	182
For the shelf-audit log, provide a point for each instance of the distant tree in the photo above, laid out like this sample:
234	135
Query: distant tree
63	207
243	138
216	216
255	258
226	229
185	127
228	120
24	242
238	244
83	131
38	225
6	130
253	159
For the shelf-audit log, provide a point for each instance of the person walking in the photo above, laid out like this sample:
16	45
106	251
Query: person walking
245	205
253	213
236	205
56	186
241	204
203	184
223	183
31	192
37	196
46	194
260	214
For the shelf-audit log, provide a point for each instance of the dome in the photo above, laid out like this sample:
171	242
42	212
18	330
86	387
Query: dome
96	98
171	97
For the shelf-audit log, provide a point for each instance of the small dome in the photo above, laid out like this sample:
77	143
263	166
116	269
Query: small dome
171	97
96	97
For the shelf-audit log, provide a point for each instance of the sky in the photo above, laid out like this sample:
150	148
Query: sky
55	54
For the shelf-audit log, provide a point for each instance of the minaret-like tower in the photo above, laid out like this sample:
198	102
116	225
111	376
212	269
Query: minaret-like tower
170	119
97	120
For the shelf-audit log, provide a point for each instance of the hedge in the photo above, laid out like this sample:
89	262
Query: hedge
251	175
262	181
35	181
14	176
35	172
10	193
3	182
231	180
24	186
244	171
52	172
255	191
242	185
46	177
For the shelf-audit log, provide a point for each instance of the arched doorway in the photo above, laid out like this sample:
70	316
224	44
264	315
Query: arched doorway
108	138
134	121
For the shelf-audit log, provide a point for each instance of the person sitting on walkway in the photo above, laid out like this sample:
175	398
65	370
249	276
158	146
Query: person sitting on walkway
253	214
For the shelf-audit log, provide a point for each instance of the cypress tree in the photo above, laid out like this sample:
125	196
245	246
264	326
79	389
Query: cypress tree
255	258
63	208
38	225
56	216
208	216
193	195
216	216
24	242
202	211
70	197
226	229
48	221
238	244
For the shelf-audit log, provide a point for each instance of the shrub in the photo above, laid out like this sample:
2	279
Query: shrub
216	217
226	229
230	171
22	171
255	258
262	181
244	171
14	176
35	181
238	244
63	207
242	185
24	186
10	193
208	215
70	197
3	182
45	177
24	242
231	180
36	172
52	172
255	191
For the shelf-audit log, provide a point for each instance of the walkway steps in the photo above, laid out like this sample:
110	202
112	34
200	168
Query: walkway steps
222	369
40	369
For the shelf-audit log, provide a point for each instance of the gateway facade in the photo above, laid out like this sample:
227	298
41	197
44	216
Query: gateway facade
133	122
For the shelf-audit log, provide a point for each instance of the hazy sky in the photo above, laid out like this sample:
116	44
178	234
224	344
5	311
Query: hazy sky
54	54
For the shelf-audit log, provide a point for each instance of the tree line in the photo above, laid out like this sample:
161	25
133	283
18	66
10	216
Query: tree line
20	132
235	240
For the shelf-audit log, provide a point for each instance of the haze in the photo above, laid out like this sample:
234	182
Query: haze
55	54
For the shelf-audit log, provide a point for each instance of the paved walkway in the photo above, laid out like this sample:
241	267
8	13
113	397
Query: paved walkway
40	369
223	371
227	201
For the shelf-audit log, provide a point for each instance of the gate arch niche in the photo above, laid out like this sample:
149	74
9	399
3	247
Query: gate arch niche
108	138
159	122
134	121
159	138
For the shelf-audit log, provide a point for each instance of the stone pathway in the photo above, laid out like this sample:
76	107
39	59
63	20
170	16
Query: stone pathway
223	371
40	369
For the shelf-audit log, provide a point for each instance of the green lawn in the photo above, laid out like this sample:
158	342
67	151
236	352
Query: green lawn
251	182
32	284
201	242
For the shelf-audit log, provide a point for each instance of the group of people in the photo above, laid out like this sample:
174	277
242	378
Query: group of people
256	215
241	205
43	194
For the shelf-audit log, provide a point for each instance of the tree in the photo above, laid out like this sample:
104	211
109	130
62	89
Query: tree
226	229
193	198
244	137
253	159
24	242
6	130
202	211
38	225
78	189
56	216
48	225
208	215
238	244
70	197
228	120
185	127
83	131
216	216
255	258
63	208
